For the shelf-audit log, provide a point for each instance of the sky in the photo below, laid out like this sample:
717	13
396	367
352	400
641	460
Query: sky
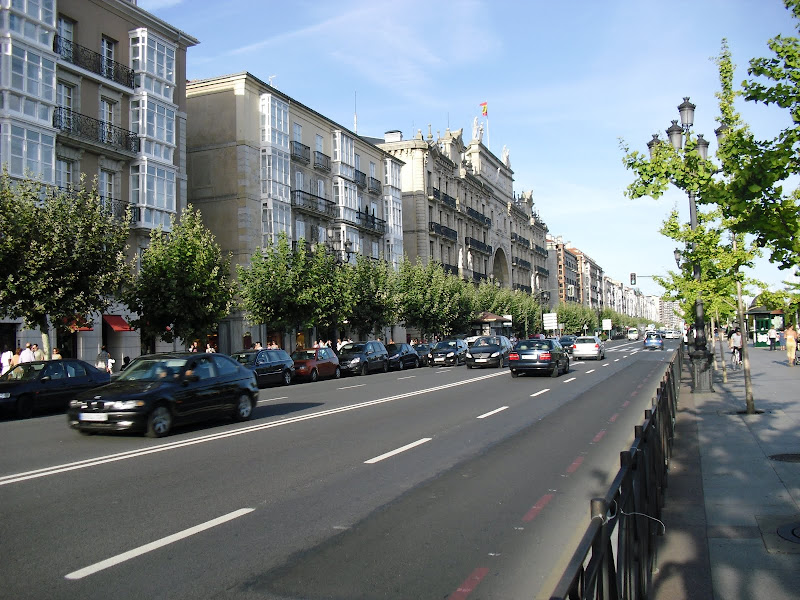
564	82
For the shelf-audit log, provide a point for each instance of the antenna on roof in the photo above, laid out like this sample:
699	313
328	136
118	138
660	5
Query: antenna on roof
355	112
271	77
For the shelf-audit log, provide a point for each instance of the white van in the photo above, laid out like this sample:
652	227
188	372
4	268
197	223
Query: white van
633	333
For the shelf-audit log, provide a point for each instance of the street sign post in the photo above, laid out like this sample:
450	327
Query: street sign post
550	321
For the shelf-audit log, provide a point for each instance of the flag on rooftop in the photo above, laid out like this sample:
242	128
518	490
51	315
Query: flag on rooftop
484	109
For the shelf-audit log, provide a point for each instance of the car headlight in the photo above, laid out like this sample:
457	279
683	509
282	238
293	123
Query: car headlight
127	404
5	395
495	354
449	354
469	355
357	359
76	402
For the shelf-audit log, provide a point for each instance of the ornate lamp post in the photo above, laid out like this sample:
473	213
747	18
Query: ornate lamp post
700	356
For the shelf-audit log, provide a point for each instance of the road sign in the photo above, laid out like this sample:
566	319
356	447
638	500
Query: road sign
550	321
606	324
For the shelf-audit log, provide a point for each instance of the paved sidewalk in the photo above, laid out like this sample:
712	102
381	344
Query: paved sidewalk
728	496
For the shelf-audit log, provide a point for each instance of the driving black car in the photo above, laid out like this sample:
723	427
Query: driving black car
46	384
270	366
360	358
402	356
158	391
422	350
448	352
566	342
538	356
488	351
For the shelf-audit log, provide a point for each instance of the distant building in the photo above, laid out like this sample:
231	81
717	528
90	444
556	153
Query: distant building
564	262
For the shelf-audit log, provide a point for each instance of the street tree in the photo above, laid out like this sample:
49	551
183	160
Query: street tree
62	254
183	286
374	301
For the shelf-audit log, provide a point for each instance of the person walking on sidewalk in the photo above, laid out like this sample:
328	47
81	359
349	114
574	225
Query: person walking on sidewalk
772	334
791	344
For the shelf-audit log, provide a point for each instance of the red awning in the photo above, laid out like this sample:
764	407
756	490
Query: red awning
117	323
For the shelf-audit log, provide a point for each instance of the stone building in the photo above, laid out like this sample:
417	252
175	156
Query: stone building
96	89
564	263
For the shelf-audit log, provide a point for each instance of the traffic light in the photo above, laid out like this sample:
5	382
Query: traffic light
633	278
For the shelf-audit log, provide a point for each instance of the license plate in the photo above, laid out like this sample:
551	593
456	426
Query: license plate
530	356
438	360
481	359
92	417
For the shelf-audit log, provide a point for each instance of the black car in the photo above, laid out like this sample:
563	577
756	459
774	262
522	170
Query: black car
46	384
158	391
448	352
422	351
489	351
402	356
566	342
360	358
538	356
270	366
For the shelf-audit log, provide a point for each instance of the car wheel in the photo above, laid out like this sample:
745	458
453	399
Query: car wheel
364	369
386	366
24	407
469	366
314	375
556	370
337	373
287	377
400	365
514	373
244	408
159	422
416	363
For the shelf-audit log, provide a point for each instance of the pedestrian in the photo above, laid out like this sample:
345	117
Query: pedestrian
772	334
194	347
209	347
16	357
56	354
27	354
102	359
5	360
791	344
126	360
735	343
37	352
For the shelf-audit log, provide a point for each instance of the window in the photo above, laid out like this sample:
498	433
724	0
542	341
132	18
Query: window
32	153
105	185
107	120
153	62
32	74
297	132
275	173
319	143
107	54
41	10
299	229
153	188
321	188
298	180
224	365
63	173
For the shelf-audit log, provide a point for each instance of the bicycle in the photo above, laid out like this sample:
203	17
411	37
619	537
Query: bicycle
736	359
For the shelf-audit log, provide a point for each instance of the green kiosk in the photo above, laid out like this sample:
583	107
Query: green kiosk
759	320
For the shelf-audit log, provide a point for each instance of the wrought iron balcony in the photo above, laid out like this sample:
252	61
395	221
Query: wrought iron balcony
301	152
360	179
443	230
322	161
92	61
478	216
515	237
436	194
478	245
520	262
94	130
374	185
523	288
361	219
542	270
540	250
448	200
310	203
450	269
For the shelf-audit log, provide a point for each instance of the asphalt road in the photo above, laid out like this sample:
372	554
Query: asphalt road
426	483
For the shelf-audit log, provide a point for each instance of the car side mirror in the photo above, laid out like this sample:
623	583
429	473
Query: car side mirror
45	379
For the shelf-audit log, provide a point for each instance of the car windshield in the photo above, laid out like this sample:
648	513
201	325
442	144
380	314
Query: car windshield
152	369
446	345
585	340
533	345
23	372
352	348
653	335
304	355
392	348
245	358
567	339
487	341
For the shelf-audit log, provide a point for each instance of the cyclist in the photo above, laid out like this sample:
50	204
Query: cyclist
736	347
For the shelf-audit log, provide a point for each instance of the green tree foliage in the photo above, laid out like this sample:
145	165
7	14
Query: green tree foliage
183	287
576	318
62	254
372	285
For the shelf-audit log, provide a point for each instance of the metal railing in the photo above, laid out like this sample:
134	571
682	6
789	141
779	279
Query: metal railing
90	60
478	245
301	152
322	161
360	178
616	557
374	185
515	237
314	204
521	262
86	127
443	230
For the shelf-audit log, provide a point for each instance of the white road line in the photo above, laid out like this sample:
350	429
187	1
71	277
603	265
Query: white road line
606	364
616	360
272	399
348	387
407	377
120	558
92	462
372	461
590	371
570	379
540	392
494	412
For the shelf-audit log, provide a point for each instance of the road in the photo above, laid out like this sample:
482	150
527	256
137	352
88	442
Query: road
425	483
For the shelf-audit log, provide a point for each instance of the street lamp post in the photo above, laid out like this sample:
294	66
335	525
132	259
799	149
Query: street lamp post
700	356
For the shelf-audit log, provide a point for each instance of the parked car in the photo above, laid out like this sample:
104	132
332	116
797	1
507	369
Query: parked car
46	384
314	363
633	334
422	351
270	366
470	339
538	356
402	356
672	334
158	391
588	346
653	341
360	358
489	351
566	342
448	352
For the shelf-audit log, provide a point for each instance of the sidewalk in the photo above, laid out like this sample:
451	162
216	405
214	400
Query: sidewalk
727	498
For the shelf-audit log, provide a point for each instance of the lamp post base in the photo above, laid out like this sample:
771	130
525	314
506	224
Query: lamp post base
702	372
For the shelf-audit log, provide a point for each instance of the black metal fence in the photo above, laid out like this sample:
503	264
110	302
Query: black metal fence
617	555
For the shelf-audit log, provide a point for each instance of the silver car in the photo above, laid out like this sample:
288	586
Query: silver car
588	346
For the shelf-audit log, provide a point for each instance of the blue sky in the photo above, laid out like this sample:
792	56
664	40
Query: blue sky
564	81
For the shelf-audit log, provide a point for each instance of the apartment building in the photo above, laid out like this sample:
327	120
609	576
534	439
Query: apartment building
459	209
590	280
262	164
564	262
96	88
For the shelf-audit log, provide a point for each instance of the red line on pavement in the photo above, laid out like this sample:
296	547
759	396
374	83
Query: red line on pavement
470	583
537	508
614	417
599	436
575	464
626	404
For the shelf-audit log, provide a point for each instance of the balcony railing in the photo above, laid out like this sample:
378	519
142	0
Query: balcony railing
374	185
520	262
436	194
478	216
515	237
92	61
83	126
443	230
301	152
450	269
523	288
539	250
360	179
361	219
449	201
317	205
322	161
542	270
478	245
